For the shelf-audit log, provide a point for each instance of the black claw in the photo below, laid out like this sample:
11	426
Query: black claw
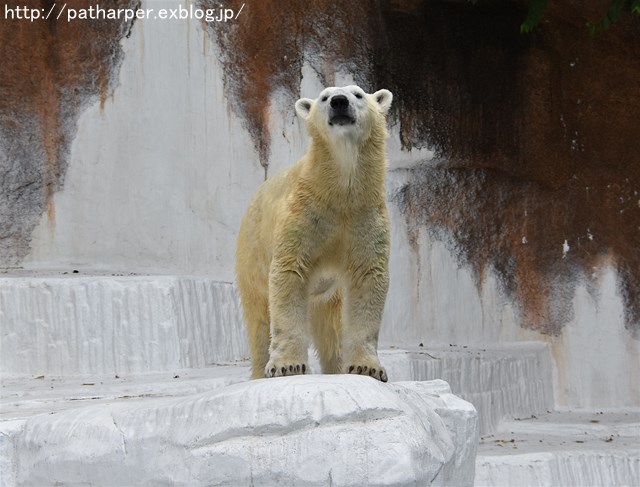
304	368
373	372
273	372
290	368
359	369
382	377
283	370
351	368
365	369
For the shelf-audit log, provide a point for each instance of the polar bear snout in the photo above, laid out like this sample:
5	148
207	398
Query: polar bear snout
339	102
341	112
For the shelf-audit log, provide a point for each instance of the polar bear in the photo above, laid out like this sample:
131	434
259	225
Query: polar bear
312	254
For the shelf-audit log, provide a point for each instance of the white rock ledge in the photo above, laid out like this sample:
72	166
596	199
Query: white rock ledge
507	380
303	430
98	324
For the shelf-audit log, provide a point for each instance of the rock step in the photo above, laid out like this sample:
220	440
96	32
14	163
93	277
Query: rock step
502	381
565	448
304	430
69	324
65	324
23	397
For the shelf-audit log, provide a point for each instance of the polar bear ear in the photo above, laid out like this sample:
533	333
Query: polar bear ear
303	107
383	98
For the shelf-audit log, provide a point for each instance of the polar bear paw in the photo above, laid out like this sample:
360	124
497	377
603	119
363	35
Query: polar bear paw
377	372
274	369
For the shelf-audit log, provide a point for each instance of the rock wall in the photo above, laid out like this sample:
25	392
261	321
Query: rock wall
95	325
536	174
51	72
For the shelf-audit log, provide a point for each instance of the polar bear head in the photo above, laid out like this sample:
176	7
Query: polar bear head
345	113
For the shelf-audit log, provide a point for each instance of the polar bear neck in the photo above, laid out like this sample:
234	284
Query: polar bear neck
345	153
347	168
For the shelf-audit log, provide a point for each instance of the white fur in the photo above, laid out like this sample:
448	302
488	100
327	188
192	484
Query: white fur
313	248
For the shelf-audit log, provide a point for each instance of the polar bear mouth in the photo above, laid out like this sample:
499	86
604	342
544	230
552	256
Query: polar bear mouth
341	120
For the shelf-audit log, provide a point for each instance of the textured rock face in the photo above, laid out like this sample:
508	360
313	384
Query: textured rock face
51	71
117	325
502	381
310	430
569	468
569	448
460	418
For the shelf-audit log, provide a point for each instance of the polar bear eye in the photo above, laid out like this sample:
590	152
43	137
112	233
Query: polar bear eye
358	95
325	98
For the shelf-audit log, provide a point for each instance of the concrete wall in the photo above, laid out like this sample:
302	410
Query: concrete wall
511	219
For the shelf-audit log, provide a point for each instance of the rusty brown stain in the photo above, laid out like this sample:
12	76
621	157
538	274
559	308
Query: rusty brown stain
51	70
555	159
535	136
264	51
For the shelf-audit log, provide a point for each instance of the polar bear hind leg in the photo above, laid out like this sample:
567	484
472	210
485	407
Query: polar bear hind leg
326	327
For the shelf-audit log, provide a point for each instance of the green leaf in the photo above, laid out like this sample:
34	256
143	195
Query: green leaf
611	16
534	15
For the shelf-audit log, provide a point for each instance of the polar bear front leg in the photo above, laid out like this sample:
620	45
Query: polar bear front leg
288	350
365	304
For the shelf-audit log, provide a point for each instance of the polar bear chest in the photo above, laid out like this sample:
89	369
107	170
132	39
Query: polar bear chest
324	284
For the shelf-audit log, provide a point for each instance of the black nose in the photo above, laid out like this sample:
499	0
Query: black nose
339	102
